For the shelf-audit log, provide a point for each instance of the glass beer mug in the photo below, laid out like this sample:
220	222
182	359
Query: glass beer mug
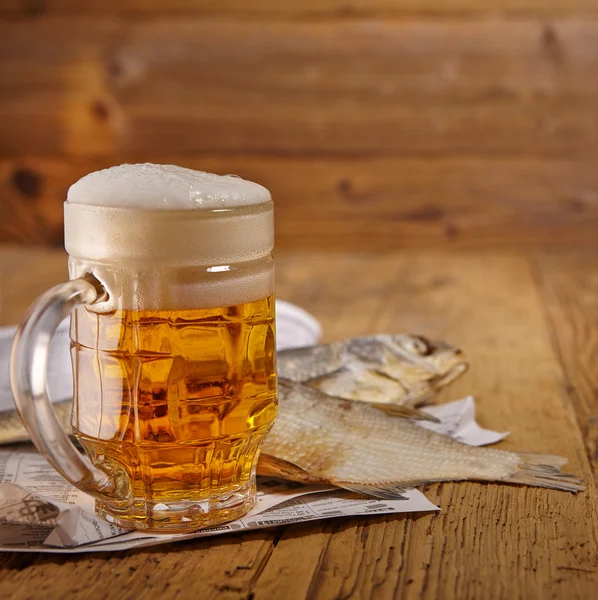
172	343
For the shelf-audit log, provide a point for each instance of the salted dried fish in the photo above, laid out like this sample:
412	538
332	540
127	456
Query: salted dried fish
393	372
320	439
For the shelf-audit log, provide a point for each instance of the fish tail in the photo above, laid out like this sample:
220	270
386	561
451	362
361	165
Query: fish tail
544	470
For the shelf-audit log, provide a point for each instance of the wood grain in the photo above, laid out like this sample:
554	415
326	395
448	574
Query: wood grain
265	8
569	288
189	84
352	204
489	541
24	275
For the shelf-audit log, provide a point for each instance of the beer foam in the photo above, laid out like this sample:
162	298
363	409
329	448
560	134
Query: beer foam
164	237
165	187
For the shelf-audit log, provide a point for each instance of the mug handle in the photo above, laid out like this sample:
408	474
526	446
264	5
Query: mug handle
28	367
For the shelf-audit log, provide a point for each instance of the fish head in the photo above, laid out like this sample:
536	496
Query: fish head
399	369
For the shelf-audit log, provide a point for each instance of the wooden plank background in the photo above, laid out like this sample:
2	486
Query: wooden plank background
401	124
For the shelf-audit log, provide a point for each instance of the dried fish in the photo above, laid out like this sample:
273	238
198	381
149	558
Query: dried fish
396	373
320	439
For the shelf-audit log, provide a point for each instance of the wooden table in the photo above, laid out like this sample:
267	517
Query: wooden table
528	322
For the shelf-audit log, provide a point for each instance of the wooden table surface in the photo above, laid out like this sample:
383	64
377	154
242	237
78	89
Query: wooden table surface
527	321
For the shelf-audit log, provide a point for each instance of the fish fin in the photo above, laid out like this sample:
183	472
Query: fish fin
271	466
406	412
544	470
383	492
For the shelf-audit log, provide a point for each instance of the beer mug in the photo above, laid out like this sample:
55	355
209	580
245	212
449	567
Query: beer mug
172	344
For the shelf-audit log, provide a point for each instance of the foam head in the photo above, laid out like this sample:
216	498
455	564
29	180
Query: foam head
154	212
165	187
153	234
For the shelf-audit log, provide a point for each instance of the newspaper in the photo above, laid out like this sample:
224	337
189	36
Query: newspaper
42	512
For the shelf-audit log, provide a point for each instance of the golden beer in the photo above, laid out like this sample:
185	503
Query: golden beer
176	401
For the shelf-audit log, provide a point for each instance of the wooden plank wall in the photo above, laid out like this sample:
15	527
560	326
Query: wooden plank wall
377	124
